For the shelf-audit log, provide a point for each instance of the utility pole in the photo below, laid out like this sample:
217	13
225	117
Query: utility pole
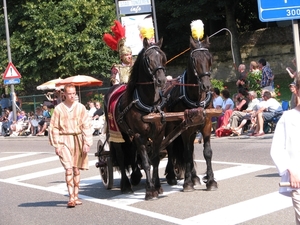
12	88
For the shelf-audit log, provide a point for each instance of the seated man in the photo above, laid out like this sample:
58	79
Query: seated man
98	119
238	116
266	112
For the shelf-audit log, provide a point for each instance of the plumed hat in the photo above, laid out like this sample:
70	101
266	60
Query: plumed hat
117	41
146	28
197	28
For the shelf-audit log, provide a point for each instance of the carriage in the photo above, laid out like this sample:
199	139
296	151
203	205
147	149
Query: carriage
151	113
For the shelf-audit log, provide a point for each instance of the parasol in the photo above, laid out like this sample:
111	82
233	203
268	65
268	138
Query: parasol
49	85
80	80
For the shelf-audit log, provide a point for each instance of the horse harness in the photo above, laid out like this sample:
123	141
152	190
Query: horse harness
136	98
180	81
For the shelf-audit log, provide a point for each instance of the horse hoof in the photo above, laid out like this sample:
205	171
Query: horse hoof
198	187
196	181
212	186
172	181
188	188
160	190
127	191
151	195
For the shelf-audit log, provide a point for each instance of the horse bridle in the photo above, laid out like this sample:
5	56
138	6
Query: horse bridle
148	68
207	73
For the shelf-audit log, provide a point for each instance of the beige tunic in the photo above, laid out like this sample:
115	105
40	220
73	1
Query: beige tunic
69	130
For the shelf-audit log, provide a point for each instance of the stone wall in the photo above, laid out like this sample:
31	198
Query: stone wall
275	44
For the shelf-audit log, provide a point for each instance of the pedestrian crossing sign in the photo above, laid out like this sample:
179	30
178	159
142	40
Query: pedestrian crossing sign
11	72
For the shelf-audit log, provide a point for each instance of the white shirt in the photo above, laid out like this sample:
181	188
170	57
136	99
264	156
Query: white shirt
273	105
252	104
218	101
285	150
227	101
92	111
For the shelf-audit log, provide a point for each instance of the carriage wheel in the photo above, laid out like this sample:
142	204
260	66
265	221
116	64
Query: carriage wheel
105	167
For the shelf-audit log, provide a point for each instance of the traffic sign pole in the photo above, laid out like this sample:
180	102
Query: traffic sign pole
12	87
296	43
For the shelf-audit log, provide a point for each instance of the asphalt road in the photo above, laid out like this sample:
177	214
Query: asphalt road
33	190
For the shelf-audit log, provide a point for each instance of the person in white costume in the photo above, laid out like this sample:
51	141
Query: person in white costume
285	152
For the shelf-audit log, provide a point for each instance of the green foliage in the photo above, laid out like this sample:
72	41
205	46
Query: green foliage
254	82
98	97
59	39
217	84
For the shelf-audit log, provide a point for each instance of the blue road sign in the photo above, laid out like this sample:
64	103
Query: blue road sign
277	10
12	81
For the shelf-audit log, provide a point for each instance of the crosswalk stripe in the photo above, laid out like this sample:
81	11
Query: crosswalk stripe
43	173
17	156
235	213
29	163
244	211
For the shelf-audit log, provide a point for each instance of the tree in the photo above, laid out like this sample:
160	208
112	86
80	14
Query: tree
174	17
60	38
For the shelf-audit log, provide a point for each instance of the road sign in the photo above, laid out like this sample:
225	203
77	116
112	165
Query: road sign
11	72
277	10
12	81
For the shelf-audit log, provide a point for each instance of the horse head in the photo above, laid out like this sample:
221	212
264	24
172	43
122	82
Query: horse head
155	61
148	74
200	62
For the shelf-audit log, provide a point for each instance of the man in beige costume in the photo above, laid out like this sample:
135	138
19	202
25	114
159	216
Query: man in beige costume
70	134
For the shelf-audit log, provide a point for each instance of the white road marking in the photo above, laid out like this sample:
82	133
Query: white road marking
29	163
43	173
235	213
17	156
243	211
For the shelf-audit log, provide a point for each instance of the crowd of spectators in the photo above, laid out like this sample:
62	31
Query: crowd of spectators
35	123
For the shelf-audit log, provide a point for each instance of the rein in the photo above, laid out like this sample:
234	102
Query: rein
148	68
190	103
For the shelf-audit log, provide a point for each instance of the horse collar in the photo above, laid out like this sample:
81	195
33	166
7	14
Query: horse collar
145	108
190	103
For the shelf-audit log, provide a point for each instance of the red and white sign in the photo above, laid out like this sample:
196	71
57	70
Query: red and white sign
11	72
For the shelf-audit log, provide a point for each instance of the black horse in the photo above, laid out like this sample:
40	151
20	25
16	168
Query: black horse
142	96
191	91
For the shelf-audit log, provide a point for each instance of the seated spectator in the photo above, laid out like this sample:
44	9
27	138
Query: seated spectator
92	109
35	120
238	116
5	123
243	102
44	122
265	113
226	105
98	119
217	104
18	126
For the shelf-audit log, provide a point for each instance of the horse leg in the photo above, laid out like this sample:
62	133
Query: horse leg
169	172
151	192
155	176
120	158
211	184
136	175
196	179
188	184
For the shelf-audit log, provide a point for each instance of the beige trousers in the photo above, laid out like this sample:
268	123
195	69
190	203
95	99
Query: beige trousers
296	203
